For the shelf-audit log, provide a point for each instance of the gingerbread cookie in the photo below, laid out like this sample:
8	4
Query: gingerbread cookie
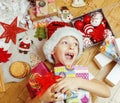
19	69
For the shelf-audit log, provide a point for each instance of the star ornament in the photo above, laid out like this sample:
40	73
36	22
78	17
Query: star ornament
11	30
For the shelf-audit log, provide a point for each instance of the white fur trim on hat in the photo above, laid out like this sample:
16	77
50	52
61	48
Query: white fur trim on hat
57	36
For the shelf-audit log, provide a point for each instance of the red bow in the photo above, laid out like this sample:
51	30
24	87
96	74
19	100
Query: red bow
42	83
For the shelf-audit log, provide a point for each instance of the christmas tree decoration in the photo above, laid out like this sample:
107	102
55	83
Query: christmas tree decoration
11	30
4	55
40	33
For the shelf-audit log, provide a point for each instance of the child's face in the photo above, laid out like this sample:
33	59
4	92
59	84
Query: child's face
66	51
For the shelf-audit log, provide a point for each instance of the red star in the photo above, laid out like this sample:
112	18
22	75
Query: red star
11	31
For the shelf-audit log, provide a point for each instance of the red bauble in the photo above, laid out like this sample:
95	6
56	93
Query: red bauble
79	24
87	19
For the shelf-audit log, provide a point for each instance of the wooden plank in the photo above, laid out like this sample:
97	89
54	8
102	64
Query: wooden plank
2	86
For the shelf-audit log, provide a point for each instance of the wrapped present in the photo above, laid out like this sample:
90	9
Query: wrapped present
94	27
114	76
102	60
43	10
40	80
76	96
117	45
108	49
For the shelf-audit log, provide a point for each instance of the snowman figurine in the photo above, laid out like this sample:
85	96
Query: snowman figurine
78	3
24	44
66	16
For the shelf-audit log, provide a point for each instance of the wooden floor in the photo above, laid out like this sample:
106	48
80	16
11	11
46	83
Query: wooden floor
17	92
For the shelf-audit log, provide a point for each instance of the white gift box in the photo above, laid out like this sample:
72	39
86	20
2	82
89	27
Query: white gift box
117	46
101	60
114	76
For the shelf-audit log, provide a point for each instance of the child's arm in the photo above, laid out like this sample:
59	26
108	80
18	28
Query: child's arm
94	86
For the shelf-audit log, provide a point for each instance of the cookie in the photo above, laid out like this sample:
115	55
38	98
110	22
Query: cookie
19	69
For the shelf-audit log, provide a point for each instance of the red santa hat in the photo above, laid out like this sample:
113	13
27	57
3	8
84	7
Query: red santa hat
57	35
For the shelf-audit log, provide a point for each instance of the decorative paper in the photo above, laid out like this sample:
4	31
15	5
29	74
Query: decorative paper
108	49
77	96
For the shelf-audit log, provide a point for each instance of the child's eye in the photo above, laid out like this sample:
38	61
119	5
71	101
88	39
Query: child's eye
64	42
76	44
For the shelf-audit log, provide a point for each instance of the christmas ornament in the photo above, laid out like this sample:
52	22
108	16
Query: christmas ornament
86	19
79	24
4	55
11	31
40	32
65	14
96	19
24	44
78	3
88	28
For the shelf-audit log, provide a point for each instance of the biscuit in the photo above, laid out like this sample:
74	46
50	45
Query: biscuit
19	69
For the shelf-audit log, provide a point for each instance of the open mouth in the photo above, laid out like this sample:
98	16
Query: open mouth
69	56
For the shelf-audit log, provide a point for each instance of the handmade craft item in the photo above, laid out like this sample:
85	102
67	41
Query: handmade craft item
11	31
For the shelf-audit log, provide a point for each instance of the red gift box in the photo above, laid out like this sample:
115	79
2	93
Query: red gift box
40	80
40	70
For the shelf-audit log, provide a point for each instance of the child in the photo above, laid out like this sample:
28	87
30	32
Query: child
63	47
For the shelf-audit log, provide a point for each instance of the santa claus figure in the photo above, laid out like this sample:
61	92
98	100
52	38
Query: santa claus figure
24	45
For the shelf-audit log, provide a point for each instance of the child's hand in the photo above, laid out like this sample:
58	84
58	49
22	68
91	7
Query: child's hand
48	96
65	85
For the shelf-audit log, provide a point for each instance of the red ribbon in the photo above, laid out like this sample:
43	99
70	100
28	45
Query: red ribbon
45	82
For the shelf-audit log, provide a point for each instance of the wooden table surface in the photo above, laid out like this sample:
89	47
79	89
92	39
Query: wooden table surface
17	92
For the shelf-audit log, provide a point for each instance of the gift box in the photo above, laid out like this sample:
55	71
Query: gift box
114	76
41	8
94	26
76	96
37	13
117	46
32	85
102	60
108	49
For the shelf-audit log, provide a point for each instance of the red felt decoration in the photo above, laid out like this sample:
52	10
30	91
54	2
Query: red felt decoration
11	31
4	55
